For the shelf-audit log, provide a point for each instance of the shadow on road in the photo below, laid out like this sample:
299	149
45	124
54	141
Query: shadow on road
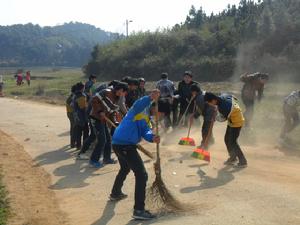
225	175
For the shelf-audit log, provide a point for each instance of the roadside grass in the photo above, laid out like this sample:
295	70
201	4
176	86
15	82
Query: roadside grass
4	206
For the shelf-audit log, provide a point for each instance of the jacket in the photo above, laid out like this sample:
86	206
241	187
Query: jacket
229	108
166	88
135	125
79	105
293	100
184	90
104	101
69	107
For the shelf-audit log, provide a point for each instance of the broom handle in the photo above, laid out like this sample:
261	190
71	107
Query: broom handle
183	116
210	128
191	121
141	148
157	131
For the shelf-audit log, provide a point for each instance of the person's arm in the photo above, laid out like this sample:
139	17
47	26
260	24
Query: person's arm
260	92
141	104
147	133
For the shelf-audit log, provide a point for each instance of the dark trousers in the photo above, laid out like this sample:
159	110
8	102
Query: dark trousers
174	107
233	148
183	106
72	130
249	110
80	130
164	106
88	141
103	145
291	119
129	159
209	115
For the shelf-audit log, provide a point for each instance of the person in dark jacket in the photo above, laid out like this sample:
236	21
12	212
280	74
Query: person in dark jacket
229	110
185	94
141	88
253	88
134	127
104	105
132	94
70	110
89	87
208	112
79	104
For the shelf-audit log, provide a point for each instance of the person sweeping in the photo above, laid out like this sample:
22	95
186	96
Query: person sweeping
134	126
229	110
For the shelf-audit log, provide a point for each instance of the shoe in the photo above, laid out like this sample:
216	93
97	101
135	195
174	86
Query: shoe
82	156
109	161
117	197
142	215
240	165
230	161
95	164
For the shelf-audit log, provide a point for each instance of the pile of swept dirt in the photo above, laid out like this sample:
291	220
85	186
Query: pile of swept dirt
30	199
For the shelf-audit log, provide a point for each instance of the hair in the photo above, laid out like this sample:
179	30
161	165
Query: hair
196	88
73	88
188	73
79	86
91	77
113	83
121	85
126	78
164	75
133	81
210	96
142	79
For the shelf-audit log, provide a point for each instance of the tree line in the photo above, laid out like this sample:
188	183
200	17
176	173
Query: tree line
253	36
69	44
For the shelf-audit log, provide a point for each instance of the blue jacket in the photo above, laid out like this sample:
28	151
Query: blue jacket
135	125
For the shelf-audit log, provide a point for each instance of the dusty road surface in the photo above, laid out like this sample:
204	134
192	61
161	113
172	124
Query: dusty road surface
267	192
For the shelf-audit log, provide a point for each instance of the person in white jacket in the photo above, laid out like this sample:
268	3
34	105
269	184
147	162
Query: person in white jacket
291	115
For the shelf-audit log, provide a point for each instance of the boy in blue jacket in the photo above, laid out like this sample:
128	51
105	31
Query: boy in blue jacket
134	126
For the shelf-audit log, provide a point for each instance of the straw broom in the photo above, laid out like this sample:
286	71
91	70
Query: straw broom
159	195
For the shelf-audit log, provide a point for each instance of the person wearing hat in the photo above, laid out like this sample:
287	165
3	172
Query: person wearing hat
132	94
134	127
291	115
253	88
166	88
185	94
141	88
209	114
229	110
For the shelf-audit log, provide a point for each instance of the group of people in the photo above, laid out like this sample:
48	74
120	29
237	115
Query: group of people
117	115
20	77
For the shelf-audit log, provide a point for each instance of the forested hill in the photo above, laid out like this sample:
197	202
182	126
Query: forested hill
261	35
69	44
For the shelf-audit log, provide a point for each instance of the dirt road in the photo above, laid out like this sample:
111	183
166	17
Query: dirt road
267	192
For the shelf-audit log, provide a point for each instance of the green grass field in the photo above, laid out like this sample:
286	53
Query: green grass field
4	207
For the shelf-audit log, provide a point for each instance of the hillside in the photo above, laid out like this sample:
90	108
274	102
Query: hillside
69	44
253	36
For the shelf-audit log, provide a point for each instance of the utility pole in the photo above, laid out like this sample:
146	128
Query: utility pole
127	22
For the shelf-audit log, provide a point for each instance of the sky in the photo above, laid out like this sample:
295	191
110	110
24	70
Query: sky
109	15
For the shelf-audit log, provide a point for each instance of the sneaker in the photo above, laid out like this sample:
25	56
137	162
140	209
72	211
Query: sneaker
109	161
95	164
230	161
142	215
240	165
82	156
117	197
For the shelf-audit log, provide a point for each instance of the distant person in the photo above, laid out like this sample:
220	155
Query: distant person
79	104
28	77
166	88
185	94
209	114
70	112
89	87
291	115
253	88
1	86
19	78
132	94
128	134
229	110
141	88
104	105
